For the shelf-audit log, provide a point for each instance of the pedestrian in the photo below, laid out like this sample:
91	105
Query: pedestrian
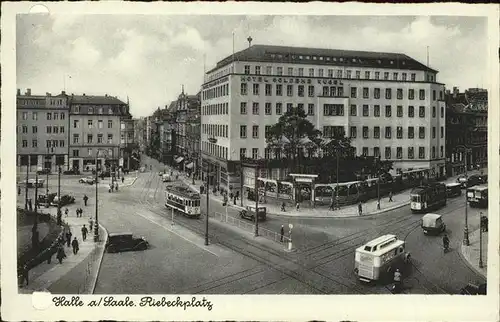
123	179
282	232
390	196
110	188
68	238
84	232
30	204
283	206
60	254
75	245
360	208
116	186
81	212
85	199
378	204
332	205
24	275
91	223
234	200
18	190
77	212
297	206
231	195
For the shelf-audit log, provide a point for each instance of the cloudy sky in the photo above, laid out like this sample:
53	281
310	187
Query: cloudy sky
148	58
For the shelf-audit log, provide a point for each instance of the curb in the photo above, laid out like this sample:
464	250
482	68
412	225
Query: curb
94	282
466	261
133	181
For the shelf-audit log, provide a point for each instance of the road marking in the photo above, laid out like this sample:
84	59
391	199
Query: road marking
173	232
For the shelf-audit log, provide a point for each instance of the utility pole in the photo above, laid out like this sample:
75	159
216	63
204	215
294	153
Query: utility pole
59	213
208	201
257	200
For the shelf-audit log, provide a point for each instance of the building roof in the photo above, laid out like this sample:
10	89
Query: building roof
323	56
93	99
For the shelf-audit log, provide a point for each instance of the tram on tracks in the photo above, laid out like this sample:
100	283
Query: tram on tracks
180	197
431	196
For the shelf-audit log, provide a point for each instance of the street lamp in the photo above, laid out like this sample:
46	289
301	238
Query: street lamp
34	229
466	241
480	241
59	213
49	149
96	230
28	165
208	201
257	168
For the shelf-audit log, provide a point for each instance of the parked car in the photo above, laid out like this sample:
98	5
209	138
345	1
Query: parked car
87	180
121	242
473	289
249	213
65	200
483	178
166	178
43	171
46	200
72	171
469	181
453	190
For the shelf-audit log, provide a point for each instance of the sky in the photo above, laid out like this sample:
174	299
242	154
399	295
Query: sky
147	58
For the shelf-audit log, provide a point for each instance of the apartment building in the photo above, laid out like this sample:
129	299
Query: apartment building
389	104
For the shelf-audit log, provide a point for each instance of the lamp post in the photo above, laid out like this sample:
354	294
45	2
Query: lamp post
257	200
466	241
480	241
49	149
96	229
26	184
34	229
59	213
208	202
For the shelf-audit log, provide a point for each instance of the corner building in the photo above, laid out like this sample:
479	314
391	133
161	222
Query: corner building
389	104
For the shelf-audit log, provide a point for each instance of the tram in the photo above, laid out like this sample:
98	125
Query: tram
180	197
428	197
477	196
379	257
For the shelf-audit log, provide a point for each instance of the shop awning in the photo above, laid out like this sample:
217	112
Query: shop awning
179	160
190	165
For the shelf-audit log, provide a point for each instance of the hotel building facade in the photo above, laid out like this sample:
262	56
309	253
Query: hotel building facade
389	104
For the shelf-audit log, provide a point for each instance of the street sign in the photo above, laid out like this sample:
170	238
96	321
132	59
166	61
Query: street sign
290	226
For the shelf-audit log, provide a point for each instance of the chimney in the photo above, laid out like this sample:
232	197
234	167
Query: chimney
455	92
63	92
28	91
83	94
18	92
105	95
48	94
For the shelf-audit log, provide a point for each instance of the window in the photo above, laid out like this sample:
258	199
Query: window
255	131
366	93
325	91
34	129
256	89
110	124
310	91
110	111
413	77
367	75
358	74
320	72
388	111
376	132
310	109
289	90
300	107
348	74
353	132
442	112
257	70
76	138
49	116
421	111
110	138
89	151
89	138
280	71
268	89
411	132
47	130
365	132
99	138
399	111
411	111
25	143
279	108
421	132
403	76
434	95
35	116
433	111
266	130
243	131
25	129
376	93
243	153
411	152
442	152
268	108
300	90
411	94
247	69
388	93
433	132
255	108
433	152
376	110
330	73
55	129
377	75
267	153
289	107
399	152
421	94
388	132
339	73
99	112
365	151
442	132
399	132
333	109
301	72
61	143
290	71
34	143
354	92
311	72
353	110
279	90
394	76
388	153
366	110
255	153
376	152
333	131
243	88
99	124
421	152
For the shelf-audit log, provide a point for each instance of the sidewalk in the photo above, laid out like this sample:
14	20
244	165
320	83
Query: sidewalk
471	253
44	276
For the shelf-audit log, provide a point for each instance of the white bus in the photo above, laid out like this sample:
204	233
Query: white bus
379	257
180	197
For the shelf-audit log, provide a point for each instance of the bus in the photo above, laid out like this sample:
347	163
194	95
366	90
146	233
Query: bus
180	197
477	196
427	197
379	258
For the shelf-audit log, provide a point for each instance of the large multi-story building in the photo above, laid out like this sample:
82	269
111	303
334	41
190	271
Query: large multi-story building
94	123
466	130
167	134
42	130
389	104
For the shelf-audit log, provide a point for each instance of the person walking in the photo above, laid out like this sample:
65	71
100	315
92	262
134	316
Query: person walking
116	186
75	245
68	237
91	223
283	206
378	204
123	179
332	206
77	212
360	208
18	190
66	211
84	232
282	232
297	205
85	199
60	254
390	196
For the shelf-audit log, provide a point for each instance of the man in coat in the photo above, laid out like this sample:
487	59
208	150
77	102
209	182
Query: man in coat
84	232
85	199
75	245
68	237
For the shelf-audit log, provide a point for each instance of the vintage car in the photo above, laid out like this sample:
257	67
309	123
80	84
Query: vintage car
166	177
46	200
249	213
43	171
65	200
72	171
122	242
87	180
433	224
